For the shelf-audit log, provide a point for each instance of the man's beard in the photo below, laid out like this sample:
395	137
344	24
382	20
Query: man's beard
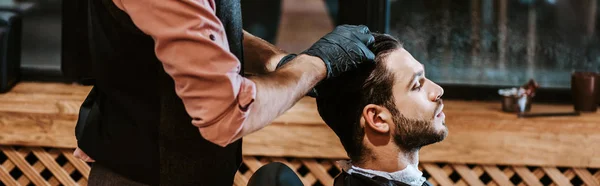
411	134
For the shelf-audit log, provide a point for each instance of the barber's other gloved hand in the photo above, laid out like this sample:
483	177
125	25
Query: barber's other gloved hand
82	156
343	49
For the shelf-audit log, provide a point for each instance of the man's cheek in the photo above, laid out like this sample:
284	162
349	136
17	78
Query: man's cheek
426	109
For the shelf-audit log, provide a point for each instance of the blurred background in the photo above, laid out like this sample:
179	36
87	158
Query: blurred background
473	46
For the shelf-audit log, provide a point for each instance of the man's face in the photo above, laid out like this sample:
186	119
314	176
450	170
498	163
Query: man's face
418	115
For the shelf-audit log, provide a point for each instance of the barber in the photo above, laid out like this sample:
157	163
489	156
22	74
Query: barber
170	105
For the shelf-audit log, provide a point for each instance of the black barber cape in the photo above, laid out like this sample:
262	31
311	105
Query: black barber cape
132	122
345	179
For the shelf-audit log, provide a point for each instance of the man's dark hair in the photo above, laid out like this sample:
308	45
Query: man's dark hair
342	99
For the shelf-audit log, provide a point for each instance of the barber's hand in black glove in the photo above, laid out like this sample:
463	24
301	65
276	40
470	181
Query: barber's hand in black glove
343	48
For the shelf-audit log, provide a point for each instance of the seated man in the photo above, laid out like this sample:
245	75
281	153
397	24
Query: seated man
383	114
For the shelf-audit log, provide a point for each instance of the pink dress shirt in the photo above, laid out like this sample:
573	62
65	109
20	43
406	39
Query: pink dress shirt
190	42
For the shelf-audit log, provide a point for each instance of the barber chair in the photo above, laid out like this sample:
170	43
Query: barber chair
274	174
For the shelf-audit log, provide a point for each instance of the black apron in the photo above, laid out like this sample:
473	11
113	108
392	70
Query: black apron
132	122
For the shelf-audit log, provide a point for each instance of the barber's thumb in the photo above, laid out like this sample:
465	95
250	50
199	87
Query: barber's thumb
369	56
366	39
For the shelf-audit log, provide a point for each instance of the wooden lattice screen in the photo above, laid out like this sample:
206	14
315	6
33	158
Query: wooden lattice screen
51	166
322	171
41	166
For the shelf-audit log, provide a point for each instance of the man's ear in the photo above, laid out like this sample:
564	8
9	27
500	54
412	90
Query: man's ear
377	118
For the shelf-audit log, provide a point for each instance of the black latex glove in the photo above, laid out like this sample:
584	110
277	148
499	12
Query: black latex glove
285	60
343	49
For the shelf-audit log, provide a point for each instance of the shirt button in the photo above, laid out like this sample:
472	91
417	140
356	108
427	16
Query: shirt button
212	37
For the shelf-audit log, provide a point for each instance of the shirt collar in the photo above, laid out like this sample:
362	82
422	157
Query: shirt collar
410	175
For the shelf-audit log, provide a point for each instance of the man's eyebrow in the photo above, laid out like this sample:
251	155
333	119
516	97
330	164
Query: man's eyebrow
414	78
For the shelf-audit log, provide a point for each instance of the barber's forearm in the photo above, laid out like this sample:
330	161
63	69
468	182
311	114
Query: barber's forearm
280	90
260	57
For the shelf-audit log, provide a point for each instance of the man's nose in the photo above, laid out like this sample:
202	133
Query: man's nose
436	92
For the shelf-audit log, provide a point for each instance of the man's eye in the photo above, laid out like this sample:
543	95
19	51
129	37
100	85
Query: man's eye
417	87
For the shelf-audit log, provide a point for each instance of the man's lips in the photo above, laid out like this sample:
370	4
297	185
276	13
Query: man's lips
439	112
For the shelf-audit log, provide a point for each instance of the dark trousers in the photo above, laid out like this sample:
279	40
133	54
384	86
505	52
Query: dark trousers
102	176
272	174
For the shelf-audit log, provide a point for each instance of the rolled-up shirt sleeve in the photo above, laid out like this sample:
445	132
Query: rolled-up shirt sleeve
191	44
